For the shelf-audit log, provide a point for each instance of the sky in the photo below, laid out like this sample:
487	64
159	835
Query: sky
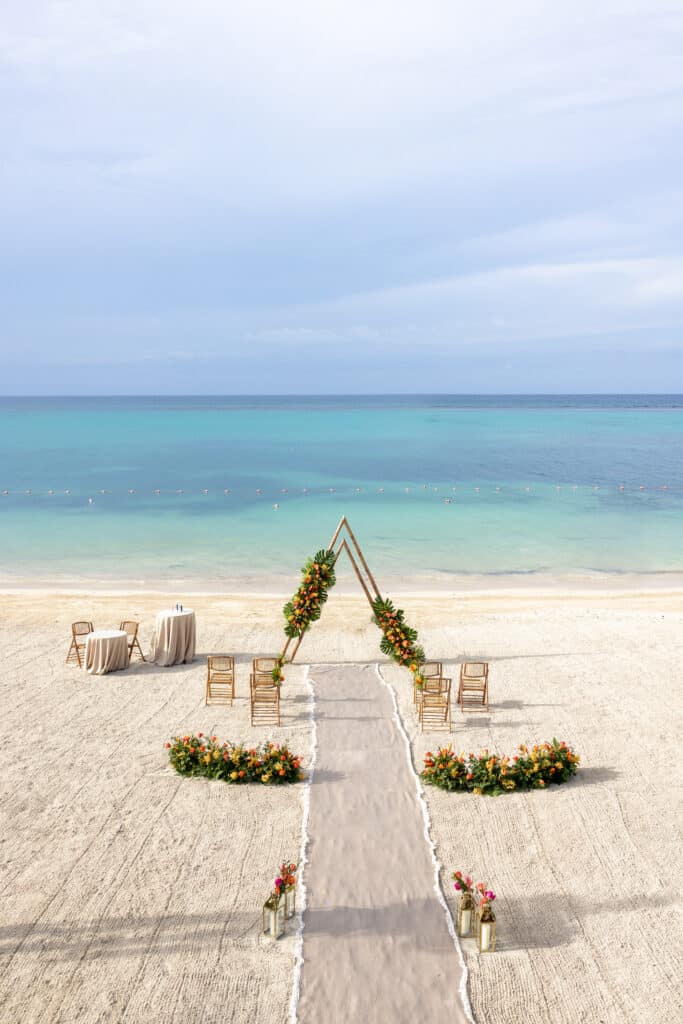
336	197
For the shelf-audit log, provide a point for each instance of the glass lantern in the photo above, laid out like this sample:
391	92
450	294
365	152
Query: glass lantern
274	916
486	929
290	901
466	914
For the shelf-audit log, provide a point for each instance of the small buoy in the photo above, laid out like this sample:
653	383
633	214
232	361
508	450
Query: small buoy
497	490
5	493
259	490
275	507
331	490
28	493
283	490
131	490
205	490
67	492
90	501
50	493
642	487
447	501
477	489
381	490
157	491
103	491
227	490
180	491
357	490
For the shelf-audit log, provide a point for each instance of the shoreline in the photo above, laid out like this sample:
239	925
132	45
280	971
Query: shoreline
443	586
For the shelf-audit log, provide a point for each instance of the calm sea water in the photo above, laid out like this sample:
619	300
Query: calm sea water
534	484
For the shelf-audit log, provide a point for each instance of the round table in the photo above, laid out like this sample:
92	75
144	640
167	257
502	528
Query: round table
106	650
174	637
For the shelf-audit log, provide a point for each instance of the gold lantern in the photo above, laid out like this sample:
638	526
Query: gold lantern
274	915
486	928
466	914
290	901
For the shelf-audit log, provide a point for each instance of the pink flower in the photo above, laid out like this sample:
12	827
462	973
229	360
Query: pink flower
490	895
458	885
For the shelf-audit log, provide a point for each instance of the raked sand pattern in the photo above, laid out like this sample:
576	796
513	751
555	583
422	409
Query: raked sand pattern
130	895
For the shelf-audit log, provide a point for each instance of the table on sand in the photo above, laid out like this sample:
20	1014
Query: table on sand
376	944
106	650
174	637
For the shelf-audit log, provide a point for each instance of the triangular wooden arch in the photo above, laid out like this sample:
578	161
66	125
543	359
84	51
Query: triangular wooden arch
343	539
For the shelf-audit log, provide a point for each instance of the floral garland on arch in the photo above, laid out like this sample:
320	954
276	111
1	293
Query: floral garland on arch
399	640
317	577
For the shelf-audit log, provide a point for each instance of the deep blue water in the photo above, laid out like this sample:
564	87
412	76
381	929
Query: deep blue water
535	483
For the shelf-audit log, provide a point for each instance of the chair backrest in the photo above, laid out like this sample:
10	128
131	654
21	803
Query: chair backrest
433	684
81	628
263	665
221	663
477	671
129	627
431	668
262	680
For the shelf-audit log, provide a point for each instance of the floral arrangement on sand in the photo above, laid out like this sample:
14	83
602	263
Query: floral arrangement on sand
286	879
399	640
485	896
463	883
271	763
544	765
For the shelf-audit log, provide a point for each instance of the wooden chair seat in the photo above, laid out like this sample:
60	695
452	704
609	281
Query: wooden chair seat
434	707
265	701
473	688
220	679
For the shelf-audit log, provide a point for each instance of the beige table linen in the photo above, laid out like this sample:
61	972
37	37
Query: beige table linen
106	650
174	637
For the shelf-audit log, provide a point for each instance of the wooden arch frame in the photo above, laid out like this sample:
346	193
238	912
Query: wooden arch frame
343	539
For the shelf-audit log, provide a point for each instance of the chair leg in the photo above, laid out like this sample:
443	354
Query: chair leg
136	643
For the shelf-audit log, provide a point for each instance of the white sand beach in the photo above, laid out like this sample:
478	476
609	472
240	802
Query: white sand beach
130	894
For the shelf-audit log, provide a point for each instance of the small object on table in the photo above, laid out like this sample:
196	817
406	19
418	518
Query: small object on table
174	637
106	650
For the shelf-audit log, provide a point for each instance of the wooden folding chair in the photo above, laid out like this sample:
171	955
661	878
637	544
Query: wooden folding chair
220	679
428	670
434	707
261	666
79	635
265	700
473	690
131	628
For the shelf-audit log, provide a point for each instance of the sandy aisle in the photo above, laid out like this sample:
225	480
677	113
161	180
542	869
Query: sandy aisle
376	942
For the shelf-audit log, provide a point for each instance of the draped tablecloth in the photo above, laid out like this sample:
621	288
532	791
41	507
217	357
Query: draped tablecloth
106	650
174	637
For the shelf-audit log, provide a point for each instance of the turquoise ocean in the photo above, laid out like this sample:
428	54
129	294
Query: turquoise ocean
211	489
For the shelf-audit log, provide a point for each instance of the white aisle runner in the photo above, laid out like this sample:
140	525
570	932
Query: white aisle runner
376	945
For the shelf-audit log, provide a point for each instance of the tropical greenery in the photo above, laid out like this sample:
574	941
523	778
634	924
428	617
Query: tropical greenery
545	764
317	577
399	640
197	754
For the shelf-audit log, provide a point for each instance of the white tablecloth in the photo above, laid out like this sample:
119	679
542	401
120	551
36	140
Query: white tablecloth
174	637
106	650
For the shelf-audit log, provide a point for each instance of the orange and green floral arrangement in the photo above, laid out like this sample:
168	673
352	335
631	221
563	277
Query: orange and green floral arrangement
317	577
546	764
197	754
399	640
286	880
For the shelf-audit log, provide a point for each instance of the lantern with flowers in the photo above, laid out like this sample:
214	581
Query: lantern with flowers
463	884
274	914
486	919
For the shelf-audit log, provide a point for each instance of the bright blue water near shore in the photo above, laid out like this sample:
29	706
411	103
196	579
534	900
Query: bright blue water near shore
520	473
